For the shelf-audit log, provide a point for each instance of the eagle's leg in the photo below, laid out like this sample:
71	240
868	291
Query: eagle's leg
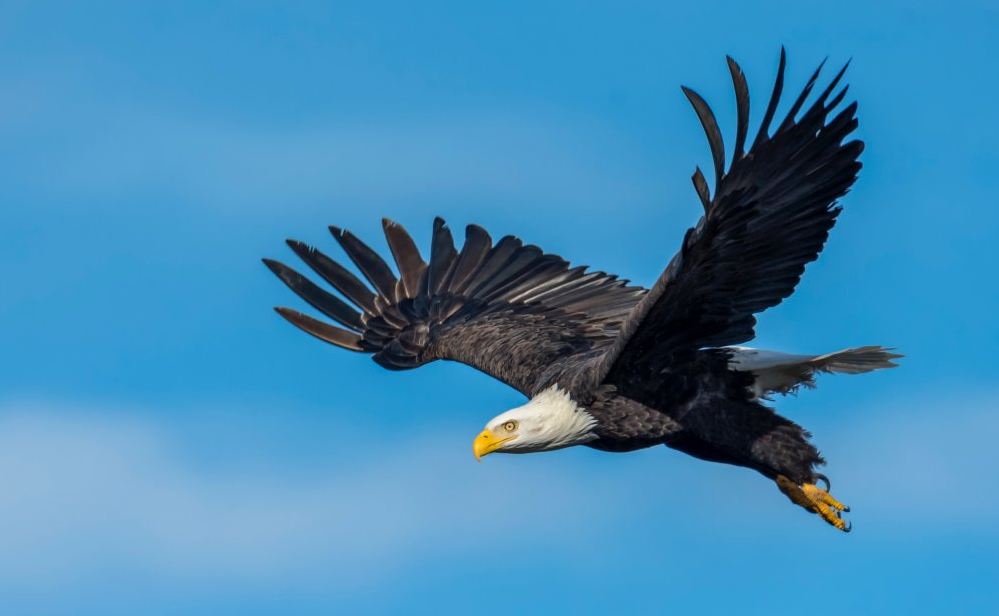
815	499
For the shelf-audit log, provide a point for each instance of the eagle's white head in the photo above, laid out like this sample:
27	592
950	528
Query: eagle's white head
551	420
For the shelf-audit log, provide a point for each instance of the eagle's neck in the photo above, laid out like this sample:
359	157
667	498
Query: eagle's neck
563	423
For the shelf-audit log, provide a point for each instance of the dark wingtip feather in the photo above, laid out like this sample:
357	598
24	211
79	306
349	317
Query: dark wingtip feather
764	132
701	186
473	252
332	272
322	300
793	112
407	257
324	331
476	230
742	107
442	256
710	125
832	85
836	100
367	260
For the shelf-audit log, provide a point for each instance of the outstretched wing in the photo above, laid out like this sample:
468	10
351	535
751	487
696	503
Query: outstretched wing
770	215
507	309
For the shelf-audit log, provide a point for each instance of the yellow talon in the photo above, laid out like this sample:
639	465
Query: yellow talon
813	498
816	493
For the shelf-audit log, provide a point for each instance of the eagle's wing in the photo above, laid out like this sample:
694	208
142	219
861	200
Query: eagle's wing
507	309
769	216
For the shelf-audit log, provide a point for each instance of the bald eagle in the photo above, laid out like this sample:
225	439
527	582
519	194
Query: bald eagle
619	367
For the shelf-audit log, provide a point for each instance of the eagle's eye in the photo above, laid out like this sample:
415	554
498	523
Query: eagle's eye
510	426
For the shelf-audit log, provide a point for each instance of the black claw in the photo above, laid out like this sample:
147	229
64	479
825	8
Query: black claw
848	528
846	510
825	480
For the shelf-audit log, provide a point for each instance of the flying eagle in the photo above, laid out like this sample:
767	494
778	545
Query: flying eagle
618	367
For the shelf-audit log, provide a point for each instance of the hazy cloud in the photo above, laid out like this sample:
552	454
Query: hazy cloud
86	496
79	492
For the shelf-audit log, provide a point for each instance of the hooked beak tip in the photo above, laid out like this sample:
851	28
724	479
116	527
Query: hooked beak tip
483	445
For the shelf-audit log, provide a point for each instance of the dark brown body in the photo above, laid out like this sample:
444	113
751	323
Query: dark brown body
707	412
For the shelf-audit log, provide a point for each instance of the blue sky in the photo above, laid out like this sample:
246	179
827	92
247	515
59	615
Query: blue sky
168	445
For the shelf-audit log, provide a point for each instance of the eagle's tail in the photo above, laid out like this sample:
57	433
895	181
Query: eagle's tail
784	373
857	360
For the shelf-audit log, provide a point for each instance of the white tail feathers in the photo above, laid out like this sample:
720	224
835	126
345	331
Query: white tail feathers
784	373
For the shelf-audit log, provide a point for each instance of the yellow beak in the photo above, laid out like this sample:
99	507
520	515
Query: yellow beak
486	443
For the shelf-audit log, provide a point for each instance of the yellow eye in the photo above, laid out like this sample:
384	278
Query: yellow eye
510	426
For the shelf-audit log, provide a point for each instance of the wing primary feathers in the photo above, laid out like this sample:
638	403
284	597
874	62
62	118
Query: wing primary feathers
701	186
407	257
508	309
793	112
442	256
832	86
836	100
710	124
742	107
367	260
337	275
520	265
477	246
496	258
541	268
764	132
324	331
327	303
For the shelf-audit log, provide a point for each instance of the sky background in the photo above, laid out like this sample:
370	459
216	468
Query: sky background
168	445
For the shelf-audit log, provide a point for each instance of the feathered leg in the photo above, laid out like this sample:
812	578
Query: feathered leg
747	433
